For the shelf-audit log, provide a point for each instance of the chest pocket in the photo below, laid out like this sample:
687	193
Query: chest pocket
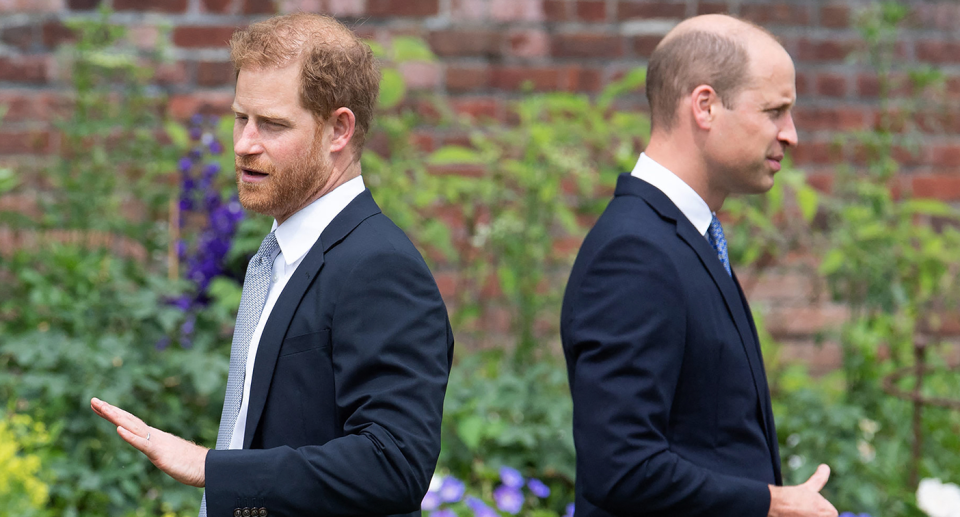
313	341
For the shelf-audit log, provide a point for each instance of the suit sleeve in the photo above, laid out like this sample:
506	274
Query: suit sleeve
392	349
626	336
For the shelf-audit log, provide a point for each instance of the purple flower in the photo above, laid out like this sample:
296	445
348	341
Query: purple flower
181	248
851	514
182	303
196	120
538	488
451	491
186	204
508	499
162	343
474	503
431	501
195	133
211	169
184	164
195	154
511	477
446	512
216	147
570	509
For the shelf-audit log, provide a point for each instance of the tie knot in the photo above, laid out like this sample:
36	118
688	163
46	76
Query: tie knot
268	247
719	242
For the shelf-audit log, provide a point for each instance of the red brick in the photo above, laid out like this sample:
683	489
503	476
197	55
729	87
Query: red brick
819	357
805	320
83	5
216	6
420	75
23	105
215	73
953	87
529	43
19	36
31	6
783	13
24	141
591	10
584	80
460	10
945	187
868	85
516	10
55	34
817	152
557	10
835	16
172	73
160	6
586	45
644	9
644	45
465	42
467	79
831	85
938	51
712	8
182	107
945	155
813	118
478	107
389	8
202	36
25	69
516	78
259	7
803	83
825	50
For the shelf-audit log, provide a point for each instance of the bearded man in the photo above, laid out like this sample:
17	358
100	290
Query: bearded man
342	347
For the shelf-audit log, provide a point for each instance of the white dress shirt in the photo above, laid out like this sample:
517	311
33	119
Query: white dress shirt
295	236
687	200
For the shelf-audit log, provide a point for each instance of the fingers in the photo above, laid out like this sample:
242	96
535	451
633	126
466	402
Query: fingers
819	478
138	442
120	418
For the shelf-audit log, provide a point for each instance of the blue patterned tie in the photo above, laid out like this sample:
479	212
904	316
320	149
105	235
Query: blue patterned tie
719	242
256	285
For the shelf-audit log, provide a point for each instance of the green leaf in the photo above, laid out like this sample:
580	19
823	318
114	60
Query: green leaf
410	48
808	200
226	293
454	155
928	207
470	430
178	134
8	181
392	88
832	262
378	51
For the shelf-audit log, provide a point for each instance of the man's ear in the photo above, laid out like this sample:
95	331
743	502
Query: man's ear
342	123
704	103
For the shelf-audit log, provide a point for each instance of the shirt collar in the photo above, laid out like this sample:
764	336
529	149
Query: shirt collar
299	233
687	200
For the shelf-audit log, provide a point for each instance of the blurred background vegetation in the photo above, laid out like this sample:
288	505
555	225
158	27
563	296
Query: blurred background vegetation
129	284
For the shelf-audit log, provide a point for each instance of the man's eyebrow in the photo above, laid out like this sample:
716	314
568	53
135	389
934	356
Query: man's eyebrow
263	116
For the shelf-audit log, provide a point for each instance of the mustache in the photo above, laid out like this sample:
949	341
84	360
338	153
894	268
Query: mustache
251	163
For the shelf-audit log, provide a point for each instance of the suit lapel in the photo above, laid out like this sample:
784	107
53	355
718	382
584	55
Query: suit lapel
727	284
362	207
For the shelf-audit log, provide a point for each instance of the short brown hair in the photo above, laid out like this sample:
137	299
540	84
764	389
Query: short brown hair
688	60
337	68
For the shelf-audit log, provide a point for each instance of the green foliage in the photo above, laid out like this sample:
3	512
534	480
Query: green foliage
496	413
24	488
85	310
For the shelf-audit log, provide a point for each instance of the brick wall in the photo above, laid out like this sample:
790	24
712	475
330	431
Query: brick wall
489	48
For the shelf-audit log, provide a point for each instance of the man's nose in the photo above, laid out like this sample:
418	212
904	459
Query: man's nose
246	139
788	133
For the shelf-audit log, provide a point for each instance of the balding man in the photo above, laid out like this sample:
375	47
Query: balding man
672	411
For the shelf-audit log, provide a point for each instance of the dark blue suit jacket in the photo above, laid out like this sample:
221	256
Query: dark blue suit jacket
671	407
348	384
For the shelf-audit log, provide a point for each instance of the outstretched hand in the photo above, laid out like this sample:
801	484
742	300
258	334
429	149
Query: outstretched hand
180	459
802	500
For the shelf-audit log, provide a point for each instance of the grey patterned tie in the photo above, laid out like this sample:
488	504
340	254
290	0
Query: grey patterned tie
256	284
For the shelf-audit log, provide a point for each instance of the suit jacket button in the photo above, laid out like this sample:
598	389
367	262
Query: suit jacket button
237	512
263	512
246	512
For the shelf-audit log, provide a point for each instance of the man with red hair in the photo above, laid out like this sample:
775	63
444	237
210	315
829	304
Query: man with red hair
342	346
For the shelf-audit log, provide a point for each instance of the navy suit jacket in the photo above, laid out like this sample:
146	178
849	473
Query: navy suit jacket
348	383
671	407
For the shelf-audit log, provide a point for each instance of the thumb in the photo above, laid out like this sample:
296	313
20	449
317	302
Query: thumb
818	479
